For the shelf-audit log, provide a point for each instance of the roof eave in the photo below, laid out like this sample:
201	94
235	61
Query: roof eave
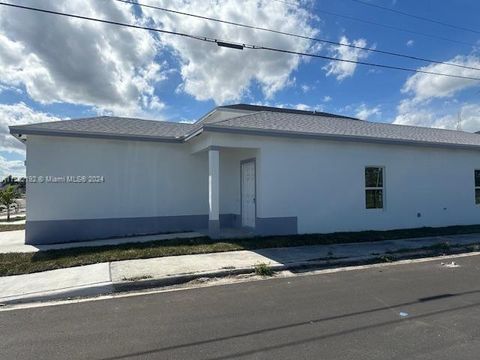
193	134
336	137
19	131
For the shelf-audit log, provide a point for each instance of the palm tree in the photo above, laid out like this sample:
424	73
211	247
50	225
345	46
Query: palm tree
7	197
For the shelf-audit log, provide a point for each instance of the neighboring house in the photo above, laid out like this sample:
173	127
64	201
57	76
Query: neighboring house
20	184
274	171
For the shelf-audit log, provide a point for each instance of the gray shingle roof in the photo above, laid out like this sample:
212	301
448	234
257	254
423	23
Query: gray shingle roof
327	126
110	126
268	122
257	108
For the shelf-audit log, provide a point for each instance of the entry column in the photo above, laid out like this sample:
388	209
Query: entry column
213	192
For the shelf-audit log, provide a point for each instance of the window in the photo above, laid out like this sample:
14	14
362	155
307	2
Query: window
374	187
477	187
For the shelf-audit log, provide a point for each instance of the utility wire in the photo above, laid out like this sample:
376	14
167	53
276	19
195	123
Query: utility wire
418	17
231	44
386	26
177	12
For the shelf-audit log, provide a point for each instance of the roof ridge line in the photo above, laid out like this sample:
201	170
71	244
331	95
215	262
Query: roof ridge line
240	116
288	110
204	125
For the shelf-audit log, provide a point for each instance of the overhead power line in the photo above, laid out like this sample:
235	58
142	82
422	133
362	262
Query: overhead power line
369	49
418	17
386	26
231	44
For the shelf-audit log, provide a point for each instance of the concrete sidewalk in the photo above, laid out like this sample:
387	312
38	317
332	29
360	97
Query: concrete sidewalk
86	280
14	241
123	275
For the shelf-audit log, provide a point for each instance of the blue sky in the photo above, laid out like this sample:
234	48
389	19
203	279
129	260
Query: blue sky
55	68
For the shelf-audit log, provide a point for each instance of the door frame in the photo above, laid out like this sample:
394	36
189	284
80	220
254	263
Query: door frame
242	162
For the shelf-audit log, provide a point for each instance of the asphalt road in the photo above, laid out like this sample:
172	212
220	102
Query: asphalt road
347	315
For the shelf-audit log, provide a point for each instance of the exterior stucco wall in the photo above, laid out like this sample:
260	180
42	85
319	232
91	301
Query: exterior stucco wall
303	186
321	183
149	187
142	179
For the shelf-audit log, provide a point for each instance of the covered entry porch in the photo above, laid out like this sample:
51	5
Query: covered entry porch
233	177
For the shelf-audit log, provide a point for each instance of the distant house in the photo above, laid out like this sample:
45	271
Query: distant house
19	183
271	170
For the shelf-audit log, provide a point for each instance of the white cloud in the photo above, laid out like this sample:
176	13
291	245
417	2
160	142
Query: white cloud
364	112
11	167
298	106
222	74
410	43
18	114
306	88
467	118
341	69
302	107
327	98
409	112
58	59
9	88
116	70
432	101
425	86
464	117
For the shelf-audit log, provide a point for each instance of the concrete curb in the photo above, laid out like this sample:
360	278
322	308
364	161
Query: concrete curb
83	291
111	287
124	286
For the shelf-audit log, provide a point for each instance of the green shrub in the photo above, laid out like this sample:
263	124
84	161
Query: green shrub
263	269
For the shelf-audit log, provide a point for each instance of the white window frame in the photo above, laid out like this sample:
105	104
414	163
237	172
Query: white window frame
374	188
475	188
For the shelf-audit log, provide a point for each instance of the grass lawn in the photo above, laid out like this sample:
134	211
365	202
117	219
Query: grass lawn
15	218
23	263
5	226
11	227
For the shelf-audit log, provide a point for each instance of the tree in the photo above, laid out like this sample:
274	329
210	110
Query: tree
7	197
8	180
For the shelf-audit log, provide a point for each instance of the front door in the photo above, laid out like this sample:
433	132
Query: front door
248	193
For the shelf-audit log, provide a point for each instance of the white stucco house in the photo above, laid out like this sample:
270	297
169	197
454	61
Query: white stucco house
274	171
